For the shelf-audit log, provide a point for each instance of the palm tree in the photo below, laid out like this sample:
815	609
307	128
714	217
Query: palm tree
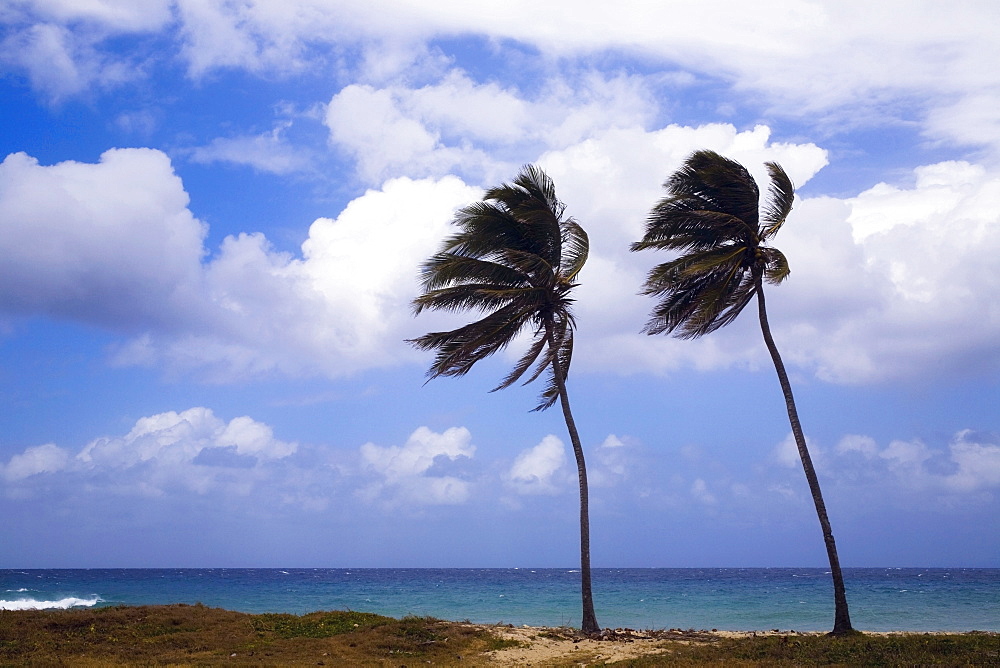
515	259
711	217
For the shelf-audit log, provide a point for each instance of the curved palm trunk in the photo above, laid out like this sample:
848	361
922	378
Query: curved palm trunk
842	617
589	624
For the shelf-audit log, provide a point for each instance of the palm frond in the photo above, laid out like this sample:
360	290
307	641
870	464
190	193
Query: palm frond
515	259
446	269
711	217
563	358
576	249
719	183
781	195
475	297
459	349
693	303
673	225
775	266
527	360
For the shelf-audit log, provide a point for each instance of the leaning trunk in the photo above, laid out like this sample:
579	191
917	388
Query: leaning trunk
842	617
589	625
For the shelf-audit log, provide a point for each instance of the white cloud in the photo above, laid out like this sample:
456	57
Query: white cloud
611	462
802	58
190	451
404	470
612	441
47	458
458	124
268	152
908	296
59	43
893	284
865	445
905	456
58	63
535	470
367	123
106	242
701	493
978	464
786	453
110	15
249	310
968	468
179	438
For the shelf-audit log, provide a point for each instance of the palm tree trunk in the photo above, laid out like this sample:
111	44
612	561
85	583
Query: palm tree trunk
842	617
589	624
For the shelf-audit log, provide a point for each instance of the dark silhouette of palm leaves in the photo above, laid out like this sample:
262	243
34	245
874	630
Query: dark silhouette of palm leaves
516	260
711	217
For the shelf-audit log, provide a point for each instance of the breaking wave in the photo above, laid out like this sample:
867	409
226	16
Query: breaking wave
61	604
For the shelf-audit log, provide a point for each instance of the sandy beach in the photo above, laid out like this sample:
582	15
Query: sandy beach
541	645
546	646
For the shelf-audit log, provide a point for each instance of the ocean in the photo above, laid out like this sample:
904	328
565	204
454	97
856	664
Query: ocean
736	599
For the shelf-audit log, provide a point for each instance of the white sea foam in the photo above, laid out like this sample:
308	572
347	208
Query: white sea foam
62	604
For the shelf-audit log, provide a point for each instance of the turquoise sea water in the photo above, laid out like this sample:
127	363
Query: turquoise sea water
881	599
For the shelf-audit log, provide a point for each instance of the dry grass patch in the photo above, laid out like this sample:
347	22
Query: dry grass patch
198	635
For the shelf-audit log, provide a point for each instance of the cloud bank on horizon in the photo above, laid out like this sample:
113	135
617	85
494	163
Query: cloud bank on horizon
388	116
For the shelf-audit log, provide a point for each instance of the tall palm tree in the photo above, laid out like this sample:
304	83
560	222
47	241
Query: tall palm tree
712	218
515	259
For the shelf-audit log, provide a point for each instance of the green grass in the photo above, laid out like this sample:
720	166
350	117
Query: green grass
315	624
968	649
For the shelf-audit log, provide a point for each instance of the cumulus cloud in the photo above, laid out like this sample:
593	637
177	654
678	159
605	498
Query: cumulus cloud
459	124
610	463
405	472
114	244
190	451
47	458
535	470
865	445
915	264
968	466
978	463
786	453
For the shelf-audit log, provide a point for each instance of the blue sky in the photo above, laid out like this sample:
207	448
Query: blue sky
212	215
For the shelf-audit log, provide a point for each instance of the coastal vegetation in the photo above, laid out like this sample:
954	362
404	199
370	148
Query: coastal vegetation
185	635
515	259
712	218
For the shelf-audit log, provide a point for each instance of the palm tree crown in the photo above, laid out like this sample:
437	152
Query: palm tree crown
515	259
711	216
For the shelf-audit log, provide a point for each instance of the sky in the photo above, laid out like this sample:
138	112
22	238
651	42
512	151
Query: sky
213	214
